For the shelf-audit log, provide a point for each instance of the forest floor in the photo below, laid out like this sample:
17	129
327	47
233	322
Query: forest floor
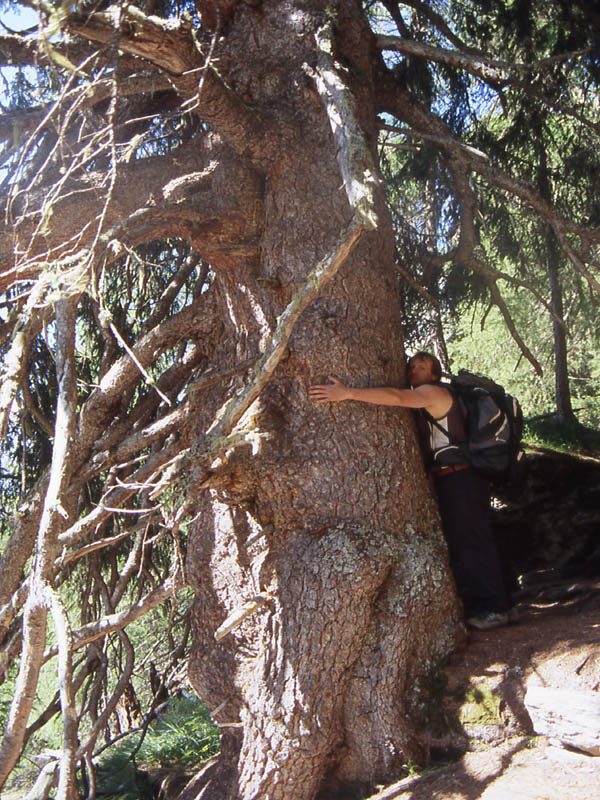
481	700
559	641
490	750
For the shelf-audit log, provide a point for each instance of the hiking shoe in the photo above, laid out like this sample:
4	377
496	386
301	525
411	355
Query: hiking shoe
486	622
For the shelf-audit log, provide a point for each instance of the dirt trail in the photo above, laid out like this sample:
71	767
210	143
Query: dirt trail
560	642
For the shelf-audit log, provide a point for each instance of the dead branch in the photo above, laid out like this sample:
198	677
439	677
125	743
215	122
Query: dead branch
488	69
172	290
100	544
88	743
575	259
36	607
34	119
466	254
496	73
437	21
174	193
21	543
172	381
153	466
123	376
119	620
27	328
354	157
211	377
66	774
417	286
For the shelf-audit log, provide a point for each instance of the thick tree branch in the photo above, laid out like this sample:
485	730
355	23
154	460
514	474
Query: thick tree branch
116	496
22	541
165	42
487	69
170	45
171	381
23	50
62	628
157	431
491	70
201	192
121	442
171	291
27	328
24	121
123	376
36	607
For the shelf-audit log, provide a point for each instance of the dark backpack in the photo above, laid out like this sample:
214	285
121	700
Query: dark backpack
494	426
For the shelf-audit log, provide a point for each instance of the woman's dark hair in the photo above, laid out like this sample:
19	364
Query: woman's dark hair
436	367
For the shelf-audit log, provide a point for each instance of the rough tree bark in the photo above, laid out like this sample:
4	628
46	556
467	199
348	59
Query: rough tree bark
325	516
316	544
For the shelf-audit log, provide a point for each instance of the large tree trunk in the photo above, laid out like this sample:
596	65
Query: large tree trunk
323	595
325	517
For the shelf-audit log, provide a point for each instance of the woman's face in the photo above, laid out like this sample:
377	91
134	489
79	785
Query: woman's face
419	372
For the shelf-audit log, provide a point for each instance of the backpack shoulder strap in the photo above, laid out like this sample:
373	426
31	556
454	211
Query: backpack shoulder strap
441	428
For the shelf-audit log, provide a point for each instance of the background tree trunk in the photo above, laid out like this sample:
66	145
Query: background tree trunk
330	522
561	371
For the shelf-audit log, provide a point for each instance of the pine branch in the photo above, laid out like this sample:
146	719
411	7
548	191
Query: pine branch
491	70
424	124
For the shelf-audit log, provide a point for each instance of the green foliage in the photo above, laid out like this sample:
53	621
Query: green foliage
566	436
479	705
184	736
489	349
412	770
541	128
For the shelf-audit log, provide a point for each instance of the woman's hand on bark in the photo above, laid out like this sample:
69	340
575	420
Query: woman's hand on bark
332	392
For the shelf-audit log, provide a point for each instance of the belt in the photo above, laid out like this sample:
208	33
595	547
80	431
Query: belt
448	470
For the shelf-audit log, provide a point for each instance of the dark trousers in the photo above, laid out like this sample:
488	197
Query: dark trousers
464	501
